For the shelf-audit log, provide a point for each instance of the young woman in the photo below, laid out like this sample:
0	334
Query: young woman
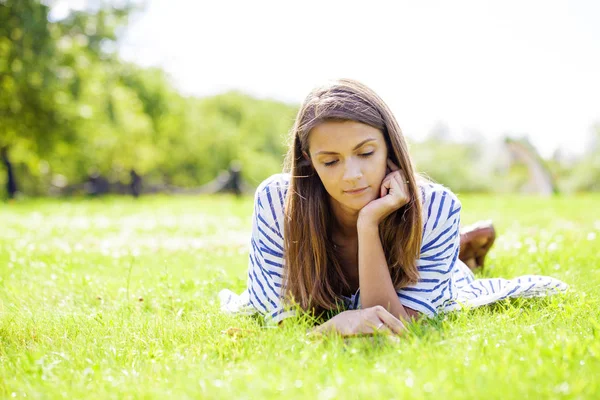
352	226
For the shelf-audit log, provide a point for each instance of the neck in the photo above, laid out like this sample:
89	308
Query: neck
344	220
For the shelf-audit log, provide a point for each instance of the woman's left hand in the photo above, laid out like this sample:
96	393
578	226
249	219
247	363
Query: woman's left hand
393	195
366	321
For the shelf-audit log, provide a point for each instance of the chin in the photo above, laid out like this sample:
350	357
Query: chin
356	205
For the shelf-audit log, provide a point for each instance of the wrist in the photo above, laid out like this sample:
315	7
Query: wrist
365	223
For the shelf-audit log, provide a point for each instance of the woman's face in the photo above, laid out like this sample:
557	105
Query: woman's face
350	158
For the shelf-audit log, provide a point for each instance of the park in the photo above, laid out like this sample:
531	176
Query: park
128	205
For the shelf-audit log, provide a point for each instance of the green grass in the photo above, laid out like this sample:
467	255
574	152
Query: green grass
116	298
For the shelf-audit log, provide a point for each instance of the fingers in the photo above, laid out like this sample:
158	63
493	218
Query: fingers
372	324
393	167
384	329
402	179
399	178
386	184
321	329
385	187
393	323
395	187
359	322
398	175
399	188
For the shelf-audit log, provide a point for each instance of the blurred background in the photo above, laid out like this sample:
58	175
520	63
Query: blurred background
183	96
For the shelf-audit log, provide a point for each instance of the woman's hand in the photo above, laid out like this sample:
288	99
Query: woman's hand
393	195
357	322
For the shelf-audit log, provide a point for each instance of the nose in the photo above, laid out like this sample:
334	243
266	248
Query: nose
352	171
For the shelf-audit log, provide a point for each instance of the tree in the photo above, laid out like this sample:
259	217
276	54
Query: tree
43	66
28	82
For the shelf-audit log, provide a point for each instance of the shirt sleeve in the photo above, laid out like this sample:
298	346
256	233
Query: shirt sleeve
439	253
265	263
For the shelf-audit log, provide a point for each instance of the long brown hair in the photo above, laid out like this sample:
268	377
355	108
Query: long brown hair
312	272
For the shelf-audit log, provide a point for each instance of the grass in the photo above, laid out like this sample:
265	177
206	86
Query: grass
116	298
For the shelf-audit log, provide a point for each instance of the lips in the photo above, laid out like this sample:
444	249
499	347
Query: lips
356	191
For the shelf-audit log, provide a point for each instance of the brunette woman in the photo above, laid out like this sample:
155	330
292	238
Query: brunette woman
351	225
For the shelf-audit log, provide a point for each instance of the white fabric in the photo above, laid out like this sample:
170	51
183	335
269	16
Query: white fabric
445	283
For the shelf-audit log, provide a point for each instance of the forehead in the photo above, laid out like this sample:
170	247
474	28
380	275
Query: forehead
341	136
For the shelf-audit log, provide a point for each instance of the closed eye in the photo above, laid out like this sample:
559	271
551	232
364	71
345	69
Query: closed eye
364	155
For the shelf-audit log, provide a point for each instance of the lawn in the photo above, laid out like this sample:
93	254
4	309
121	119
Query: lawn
116	298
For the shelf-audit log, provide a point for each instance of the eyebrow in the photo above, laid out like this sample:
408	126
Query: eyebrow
355	147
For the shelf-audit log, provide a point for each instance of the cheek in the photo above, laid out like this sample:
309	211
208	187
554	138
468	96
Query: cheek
379	166
327	177
331	180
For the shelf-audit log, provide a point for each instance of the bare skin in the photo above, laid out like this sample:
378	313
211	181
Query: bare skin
362	322
364	187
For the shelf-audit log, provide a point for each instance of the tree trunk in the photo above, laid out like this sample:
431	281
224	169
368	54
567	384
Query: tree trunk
11	183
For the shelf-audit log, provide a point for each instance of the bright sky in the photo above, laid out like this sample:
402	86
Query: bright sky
519	67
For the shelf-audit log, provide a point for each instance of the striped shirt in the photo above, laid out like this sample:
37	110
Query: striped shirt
445	282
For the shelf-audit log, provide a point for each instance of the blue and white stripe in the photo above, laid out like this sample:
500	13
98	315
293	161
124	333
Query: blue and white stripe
445	283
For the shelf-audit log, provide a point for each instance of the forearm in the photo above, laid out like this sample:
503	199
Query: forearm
376	287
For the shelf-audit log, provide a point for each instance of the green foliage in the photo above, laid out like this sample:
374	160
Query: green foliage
584	174
253	131
27	75
452	164
53	77
69	105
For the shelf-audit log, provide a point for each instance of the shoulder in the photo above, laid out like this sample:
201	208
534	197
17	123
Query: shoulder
432	192
273	188
269	198
279	181
438	203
